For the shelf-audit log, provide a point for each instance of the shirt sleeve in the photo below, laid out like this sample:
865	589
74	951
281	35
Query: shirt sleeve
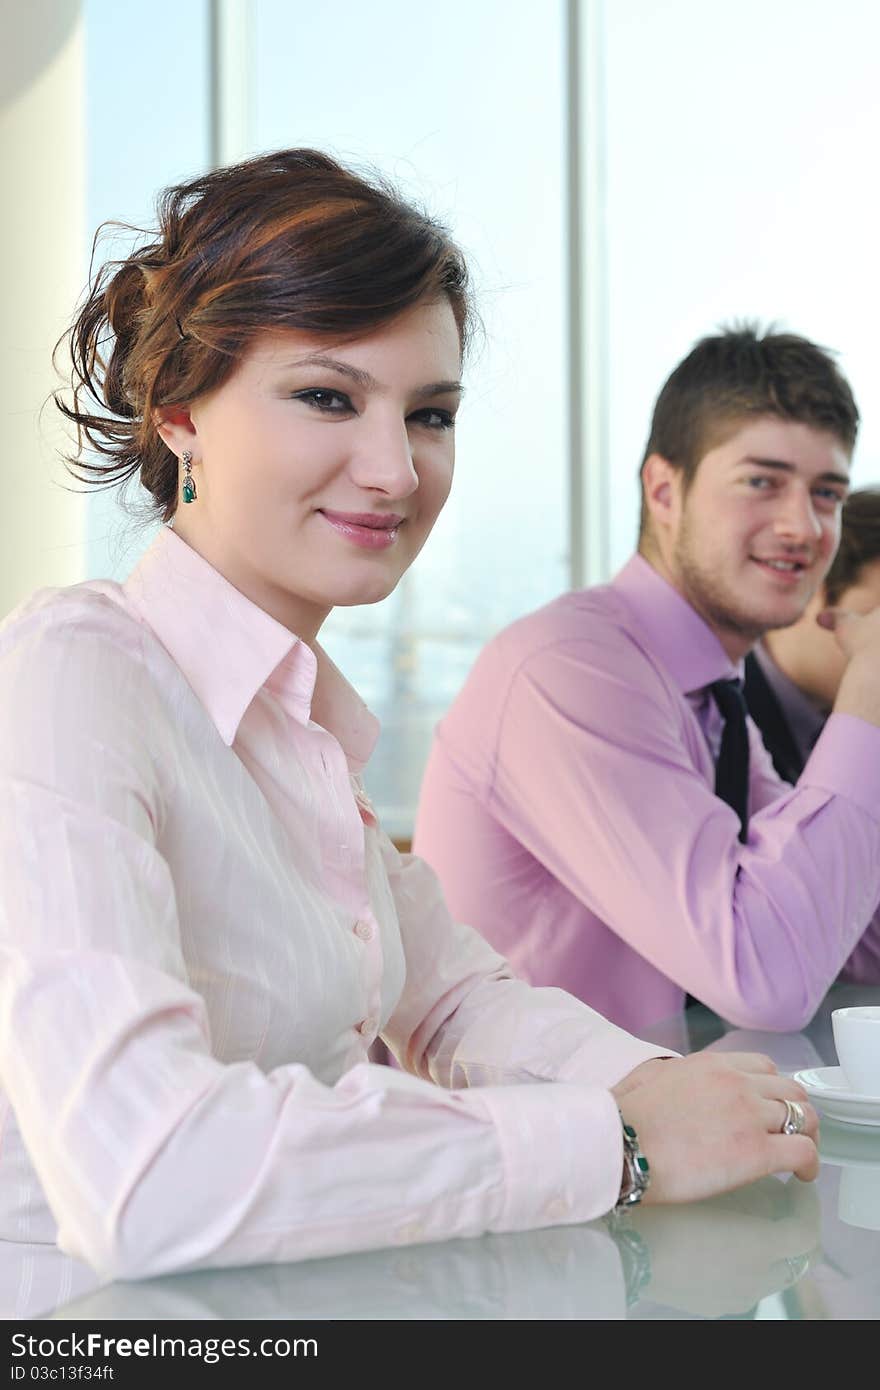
836	762
153	1154
862	966
589	769
464	1020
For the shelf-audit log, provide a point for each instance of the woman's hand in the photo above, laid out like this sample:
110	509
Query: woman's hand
645	1071
713	1121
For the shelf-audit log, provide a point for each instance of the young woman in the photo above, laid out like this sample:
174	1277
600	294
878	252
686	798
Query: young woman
202	927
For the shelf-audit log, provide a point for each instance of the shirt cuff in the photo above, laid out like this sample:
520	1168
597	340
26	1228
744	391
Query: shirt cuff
589	1067
846	761
562	1151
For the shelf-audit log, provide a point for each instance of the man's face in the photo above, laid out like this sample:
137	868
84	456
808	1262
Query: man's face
751	540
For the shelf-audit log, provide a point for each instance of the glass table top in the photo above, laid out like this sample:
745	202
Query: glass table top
776	1249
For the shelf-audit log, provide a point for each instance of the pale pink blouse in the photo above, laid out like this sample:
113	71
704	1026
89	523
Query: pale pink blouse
203	929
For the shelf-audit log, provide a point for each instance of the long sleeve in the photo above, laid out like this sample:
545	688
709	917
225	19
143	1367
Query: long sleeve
586	755
463	1020
156	1154
862	966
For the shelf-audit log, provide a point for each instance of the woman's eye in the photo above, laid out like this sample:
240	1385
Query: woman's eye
329	402
760	483
434	419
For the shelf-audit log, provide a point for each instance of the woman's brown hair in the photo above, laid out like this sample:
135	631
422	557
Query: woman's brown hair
290	240
859	542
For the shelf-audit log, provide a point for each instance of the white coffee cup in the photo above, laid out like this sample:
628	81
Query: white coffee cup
857	1039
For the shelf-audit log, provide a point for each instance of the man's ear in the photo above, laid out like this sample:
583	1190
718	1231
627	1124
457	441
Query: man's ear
174	425
661	487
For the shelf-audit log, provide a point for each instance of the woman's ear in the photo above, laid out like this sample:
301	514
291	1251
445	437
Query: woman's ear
175	427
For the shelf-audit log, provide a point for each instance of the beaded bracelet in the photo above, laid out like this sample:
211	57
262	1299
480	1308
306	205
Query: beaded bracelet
636	1170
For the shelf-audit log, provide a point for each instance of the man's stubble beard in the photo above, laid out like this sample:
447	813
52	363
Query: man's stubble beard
713	601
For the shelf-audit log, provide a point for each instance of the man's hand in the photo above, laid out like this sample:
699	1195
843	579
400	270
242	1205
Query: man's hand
858	636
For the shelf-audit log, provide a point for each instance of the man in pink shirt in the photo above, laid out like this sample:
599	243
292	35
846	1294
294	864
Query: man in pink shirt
594	802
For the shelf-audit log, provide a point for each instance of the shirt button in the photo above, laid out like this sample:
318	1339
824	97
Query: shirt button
363	930
367	1025
556	1209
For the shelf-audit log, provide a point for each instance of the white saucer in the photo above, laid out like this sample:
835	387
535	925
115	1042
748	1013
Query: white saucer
829	1091
850	1147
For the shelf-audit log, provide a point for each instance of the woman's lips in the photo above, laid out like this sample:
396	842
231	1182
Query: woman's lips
370	530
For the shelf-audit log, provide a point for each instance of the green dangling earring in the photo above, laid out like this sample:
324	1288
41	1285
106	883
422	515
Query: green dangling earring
189	483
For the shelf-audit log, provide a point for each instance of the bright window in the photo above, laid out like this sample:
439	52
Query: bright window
625	176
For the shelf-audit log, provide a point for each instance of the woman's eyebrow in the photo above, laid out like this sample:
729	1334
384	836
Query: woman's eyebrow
364	379
319	359
439	388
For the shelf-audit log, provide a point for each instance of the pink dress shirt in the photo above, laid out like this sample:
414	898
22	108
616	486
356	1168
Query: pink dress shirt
202	930
568	808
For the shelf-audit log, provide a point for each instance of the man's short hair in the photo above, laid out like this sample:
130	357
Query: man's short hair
859	542
738	373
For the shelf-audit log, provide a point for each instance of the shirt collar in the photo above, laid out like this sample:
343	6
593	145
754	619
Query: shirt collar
672	629
228	648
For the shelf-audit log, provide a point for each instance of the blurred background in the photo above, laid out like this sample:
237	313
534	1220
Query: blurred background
625	176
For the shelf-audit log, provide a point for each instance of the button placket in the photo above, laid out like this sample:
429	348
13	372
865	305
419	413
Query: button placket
364	804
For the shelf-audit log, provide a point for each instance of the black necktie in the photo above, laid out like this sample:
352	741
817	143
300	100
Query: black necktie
732	768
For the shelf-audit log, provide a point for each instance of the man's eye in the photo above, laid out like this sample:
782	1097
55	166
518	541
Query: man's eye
330	402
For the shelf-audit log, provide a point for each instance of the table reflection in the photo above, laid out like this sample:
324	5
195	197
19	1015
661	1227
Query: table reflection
707	1260
856	1152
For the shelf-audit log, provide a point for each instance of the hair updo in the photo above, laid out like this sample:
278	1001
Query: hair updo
290	240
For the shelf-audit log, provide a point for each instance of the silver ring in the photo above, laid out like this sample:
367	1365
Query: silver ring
795	1120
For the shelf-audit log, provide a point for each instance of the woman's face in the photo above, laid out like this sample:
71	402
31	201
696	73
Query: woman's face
321	469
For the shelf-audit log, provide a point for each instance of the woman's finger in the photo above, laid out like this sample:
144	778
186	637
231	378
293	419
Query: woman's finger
796	1153
777	1091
